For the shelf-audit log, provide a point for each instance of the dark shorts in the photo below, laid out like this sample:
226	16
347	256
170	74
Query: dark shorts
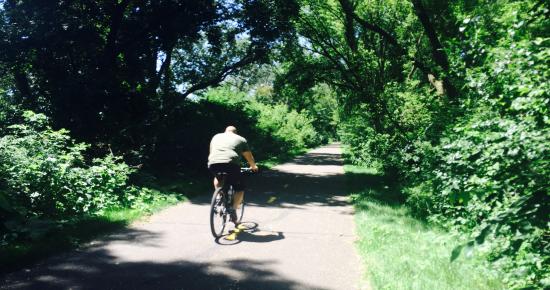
234	175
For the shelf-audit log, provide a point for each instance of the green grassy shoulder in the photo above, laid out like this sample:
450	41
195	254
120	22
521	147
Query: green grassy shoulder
62	236
402	252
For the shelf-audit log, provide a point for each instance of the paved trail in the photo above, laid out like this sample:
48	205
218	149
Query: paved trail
303	240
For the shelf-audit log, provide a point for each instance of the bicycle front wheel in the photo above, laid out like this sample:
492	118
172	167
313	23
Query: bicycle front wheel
218	213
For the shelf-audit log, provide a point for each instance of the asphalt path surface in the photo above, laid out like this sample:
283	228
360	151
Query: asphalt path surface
301	236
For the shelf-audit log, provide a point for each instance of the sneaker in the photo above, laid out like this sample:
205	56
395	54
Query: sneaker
233	234
231	237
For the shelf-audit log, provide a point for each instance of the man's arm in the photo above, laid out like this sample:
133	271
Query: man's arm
250	159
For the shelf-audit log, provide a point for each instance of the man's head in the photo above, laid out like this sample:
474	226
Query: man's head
231	129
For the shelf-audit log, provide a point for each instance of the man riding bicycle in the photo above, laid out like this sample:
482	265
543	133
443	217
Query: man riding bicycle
225	151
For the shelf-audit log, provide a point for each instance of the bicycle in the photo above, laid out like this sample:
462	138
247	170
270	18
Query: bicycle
222	202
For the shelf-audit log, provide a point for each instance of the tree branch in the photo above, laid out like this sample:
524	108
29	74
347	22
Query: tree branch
439	55
117	15
324	41
164	68
219	77
349	25
337	65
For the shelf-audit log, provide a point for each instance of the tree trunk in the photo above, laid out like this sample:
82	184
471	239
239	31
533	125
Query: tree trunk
438	52
110	49
23	86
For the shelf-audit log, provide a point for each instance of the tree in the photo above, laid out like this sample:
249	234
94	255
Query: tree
110	70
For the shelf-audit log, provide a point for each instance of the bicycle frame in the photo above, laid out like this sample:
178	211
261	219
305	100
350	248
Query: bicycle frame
228	194
225	192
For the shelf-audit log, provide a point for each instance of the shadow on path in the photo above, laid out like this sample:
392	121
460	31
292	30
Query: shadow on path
252	234
279	189
318	159
320	182
97	269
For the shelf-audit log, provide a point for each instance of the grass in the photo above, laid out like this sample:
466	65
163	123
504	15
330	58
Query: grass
66	235
402	252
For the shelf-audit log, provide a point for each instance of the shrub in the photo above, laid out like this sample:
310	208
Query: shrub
484	168
43	174
291	127
8	112
294	130
489	174
356	132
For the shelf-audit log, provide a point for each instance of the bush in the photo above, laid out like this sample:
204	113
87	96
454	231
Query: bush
481	166
356	132
44	175
489	174
291	127
414	121
492	180
294	130
8	112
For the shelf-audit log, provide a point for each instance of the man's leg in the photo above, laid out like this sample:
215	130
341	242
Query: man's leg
216	183
237	199
237	180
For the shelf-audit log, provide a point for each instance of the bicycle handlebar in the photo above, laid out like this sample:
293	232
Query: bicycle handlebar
247	170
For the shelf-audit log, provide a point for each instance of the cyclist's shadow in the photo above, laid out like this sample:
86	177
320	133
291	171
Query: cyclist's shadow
251	234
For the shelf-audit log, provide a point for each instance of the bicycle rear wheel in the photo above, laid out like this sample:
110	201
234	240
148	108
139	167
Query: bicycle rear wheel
218	213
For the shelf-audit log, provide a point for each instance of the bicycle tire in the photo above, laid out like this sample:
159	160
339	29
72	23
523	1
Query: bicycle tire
218	213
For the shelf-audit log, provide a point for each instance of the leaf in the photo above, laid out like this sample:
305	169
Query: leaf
456	252
483	234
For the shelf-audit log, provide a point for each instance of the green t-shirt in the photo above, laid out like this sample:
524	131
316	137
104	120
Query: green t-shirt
227	148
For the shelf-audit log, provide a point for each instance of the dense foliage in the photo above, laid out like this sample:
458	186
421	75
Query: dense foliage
114	72
293	130
45	176
490	172
450	98
271	130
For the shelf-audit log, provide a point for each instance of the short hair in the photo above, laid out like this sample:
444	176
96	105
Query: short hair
231	129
